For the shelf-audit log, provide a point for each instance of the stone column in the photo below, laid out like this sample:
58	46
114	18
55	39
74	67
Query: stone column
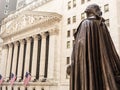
20	63
4	60
15	57
3	87
10	87
9	61
34	63
42	56
27	57
52	54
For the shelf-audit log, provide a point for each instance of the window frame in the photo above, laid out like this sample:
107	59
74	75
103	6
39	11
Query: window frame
69	20
68	44
74	19
69	5
74	3
106	8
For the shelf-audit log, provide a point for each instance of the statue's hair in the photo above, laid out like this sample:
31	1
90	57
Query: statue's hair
94	9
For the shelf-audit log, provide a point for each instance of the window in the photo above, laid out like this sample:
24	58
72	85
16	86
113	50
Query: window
68	60
68	44
74	30
74	3
106	8
6	6
68	33
82	1
69	21
82	16
107	22
74	19
69	5
5	12
67	76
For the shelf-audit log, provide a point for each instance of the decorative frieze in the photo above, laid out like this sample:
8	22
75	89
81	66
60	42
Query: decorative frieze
28	19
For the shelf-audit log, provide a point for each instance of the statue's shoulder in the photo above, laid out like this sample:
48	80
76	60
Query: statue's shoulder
86	21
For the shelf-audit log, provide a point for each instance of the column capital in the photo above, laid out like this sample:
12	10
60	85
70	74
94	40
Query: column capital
35	36
53	31
22	41
5	46
29	39
43	34
16	43
10	44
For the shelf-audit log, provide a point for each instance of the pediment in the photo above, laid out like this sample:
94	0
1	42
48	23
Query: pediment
28	19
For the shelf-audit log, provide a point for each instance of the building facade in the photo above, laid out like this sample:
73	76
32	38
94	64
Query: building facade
38	38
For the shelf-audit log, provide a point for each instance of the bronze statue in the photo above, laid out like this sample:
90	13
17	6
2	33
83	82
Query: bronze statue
95	63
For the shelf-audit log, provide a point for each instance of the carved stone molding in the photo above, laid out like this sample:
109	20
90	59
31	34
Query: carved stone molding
5	46
54	32
16	43
29	39
22	41
10	45
36	37
43	34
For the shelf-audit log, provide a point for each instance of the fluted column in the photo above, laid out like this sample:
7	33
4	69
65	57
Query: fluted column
35	51
9	61
4	60
3	87
27	57
20	63
15	57
52	53
42	56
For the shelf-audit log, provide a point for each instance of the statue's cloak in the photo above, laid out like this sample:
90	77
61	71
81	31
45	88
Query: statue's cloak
95	63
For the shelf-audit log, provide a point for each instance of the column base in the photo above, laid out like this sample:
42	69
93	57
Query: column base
33	79
43	80
7	79
19	80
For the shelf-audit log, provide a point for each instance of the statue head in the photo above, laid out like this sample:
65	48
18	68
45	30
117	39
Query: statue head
93	9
